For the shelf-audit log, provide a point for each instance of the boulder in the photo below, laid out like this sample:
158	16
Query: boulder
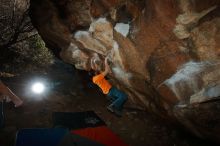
163	53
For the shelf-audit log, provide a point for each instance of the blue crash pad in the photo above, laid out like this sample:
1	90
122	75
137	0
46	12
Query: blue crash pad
40	137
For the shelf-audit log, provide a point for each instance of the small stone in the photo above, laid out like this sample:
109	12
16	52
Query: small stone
123	129
108	123
134	135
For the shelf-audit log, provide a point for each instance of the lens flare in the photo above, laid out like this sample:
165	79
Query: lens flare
38	88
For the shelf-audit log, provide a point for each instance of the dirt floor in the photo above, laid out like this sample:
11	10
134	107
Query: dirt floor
68	92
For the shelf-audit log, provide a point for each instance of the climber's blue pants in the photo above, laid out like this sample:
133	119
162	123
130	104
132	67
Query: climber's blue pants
117	97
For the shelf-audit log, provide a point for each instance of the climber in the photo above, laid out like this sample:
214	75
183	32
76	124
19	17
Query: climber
8	95
117	97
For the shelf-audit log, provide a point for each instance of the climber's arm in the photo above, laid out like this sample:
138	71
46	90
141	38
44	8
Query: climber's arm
107	68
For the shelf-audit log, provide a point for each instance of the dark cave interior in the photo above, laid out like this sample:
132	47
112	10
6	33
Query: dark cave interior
159	59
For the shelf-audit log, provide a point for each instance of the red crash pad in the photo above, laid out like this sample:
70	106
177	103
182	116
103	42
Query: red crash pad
101	134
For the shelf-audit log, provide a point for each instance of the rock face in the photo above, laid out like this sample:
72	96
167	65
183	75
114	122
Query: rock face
165	54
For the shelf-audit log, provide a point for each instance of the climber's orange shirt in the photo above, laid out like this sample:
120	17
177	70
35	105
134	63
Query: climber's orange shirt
102	83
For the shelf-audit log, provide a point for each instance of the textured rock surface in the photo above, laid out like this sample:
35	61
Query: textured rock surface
166	57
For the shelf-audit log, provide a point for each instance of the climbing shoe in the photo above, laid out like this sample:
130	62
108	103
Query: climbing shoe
114	110
110	108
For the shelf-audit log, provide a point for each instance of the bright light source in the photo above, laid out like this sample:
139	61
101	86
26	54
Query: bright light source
38	88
